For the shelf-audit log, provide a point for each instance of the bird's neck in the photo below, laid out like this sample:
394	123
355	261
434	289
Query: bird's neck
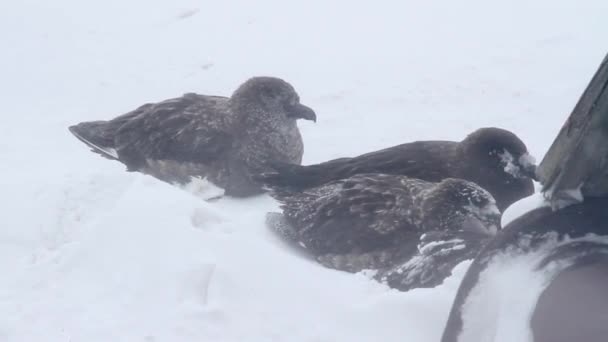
264	138
459	165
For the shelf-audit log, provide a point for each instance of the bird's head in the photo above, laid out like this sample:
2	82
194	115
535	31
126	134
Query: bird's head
499	161
459	206
271	96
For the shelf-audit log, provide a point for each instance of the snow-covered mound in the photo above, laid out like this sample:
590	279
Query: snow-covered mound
89	252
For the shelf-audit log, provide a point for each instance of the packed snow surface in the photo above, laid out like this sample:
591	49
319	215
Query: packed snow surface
89	252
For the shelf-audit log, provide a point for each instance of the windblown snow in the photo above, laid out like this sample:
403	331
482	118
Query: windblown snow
89	252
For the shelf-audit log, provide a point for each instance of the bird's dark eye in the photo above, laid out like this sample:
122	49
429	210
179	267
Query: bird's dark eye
496	152
275	95
480	202
271	94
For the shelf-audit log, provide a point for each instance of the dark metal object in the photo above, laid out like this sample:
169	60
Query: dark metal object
577	159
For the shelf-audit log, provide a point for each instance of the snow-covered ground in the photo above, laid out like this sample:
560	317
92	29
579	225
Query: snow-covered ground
89	252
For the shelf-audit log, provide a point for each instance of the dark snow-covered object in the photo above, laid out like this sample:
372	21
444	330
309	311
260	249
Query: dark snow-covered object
494	158
225	140
405	228
573	243
576	164
571	235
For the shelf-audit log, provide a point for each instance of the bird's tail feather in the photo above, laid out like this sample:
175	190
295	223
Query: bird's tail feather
279	225
357	262
97	135
286	175
288	235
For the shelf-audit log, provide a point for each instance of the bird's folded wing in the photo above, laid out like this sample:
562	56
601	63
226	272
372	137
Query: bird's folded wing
426	160
185	129
361	197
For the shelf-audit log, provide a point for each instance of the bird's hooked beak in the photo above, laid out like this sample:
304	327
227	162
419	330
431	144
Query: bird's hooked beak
529	171
523	167
527	166
487	225
300	111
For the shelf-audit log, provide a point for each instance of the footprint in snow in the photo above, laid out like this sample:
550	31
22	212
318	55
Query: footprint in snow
187	13
208	219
